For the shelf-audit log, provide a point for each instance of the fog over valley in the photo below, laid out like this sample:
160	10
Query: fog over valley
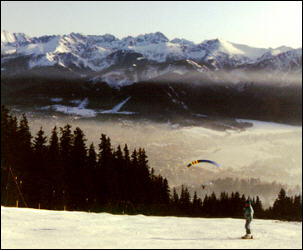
255	160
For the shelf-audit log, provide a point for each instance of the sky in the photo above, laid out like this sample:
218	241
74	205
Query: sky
256	23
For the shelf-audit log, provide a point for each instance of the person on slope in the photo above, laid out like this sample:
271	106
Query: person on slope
248	215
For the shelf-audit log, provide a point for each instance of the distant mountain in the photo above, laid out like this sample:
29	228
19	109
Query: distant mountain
162	76
290	60
131	59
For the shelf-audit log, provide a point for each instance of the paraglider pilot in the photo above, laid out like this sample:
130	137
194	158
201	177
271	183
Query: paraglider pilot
248	215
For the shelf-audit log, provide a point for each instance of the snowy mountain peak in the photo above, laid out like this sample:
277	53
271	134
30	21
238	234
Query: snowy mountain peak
106	38
182	42
155	38
219	45
77	35
9	37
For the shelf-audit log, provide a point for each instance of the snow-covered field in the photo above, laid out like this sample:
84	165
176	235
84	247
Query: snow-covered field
32	228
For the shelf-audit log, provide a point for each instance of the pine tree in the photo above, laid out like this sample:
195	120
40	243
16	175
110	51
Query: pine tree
297	208
213	205
134	175
105	151
144	180
55	171
224	205
66	143
127	173
4	136
78	170
66	140
24	134
258	208
134	159
24	168
92	156
166	192
4	154
280	206
205	206
196	204
175	198
91	178
9	140
119	174
185	199
237	206
126	155
53	150
39	144
104	170
40	173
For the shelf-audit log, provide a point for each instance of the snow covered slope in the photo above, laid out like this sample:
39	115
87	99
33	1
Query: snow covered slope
285	61
31	228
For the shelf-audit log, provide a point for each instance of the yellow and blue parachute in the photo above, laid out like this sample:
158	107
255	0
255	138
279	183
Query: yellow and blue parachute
207	161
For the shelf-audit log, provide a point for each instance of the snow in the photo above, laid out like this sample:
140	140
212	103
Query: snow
83	104
179	72
115	109
81	111
32	228
154	46
7	49
45	60
7	37
74	110
250	52
41	48
56	99
115	79
94	52
75	101
229	48
194	63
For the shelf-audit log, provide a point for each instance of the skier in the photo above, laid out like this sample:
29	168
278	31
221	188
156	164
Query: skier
248	215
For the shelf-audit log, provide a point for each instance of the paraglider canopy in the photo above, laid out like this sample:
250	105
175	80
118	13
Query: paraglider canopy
200	161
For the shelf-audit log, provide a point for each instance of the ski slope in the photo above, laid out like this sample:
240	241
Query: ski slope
32	228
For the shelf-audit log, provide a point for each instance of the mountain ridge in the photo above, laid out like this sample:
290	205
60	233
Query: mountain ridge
163	78
119	62
92	51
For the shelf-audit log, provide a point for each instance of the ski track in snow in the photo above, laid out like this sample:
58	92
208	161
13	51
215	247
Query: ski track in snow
32	228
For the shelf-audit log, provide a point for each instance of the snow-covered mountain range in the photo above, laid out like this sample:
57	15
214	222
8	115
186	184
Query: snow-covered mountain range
150	75
131	59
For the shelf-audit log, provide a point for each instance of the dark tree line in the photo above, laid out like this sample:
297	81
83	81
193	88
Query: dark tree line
284	207
61	172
